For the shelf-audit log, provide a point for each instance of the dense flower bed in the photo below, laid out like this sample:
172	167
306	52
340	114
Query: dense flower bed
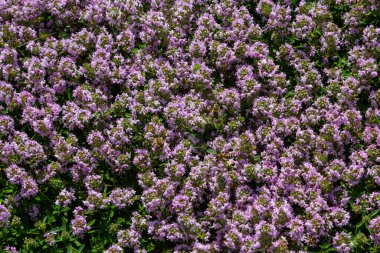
189	126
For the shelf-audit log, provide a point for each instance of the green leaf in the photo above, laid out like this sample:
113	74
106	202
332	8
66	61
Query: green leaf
325	246
210	151
69	248
81	248
120	220
91	223
150	247
63	227
374	213
8	191
289	94
359	225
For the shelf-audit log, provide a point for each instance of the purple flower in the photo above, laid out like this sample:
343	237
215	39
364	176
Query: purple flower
374	227
342	242
121	197
65	197
4	216
79	223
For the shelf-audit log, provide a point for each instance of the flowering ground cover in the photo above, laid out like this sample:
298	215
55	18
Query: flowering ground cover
189	126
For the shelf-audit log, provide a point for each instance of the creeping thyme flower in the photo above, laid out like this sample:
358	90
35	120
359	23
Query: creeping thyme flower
79	223
342	242
4	216
10	249
65	197
190	125
114	249
121	197
50	238
374	227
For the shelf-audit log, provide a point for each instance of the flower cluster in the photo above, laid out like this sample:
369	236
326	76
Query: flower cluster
4	216
79	222
190	125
